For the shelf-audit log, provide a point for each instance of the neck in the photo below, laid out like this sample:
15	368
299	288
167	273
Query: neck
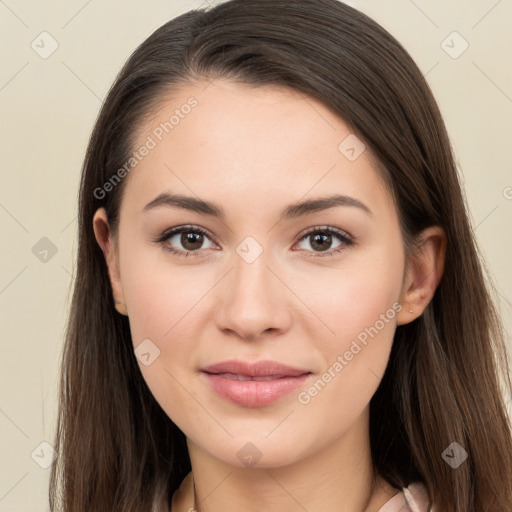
338	478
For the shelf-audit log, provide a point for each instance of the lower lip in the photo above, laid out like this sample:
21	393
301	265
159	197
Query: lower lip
254	393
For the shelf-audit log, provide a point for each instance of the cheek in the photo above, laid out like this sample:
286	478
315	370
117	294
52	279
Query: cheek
360	307
163	303
353	296
162	299
161	295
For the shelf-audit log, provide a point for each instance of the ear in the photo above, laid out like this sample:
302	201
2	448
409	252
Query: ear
423	273
108	246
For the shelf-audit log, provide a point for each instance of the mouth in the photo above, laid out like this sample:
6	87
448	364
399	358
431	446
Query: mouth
253	384
265	368
239	377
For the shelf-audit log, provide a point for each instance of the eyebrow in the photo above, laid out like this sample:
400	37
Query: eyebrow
292	211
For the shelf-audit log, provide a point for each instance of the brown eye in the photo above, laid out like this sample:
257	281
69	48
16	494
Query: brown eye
184	240
321	240
191	241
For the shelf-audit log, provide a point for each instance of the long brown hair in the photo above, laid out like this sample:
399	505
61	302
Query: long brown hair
448	369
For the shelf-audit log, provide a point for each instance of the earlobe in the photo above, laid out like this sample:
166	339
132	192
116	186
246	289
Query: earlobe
108	247
423	274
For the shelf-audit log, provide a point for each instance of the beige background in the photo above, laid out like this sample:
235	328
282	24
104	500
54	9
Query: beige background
47	110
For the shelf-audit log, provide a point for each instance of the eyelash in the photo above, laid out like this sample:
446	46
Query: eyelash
346	239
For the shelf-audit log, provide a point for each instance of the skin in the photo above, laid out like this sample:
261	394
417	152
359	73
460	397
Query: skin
255	151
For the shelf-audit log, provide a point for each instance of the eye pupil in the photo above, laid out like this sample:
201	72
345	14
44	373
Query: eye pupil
318	238
196	239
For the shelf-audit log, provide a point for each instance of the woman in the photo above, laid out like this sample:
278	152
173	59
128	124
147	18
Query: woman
279	303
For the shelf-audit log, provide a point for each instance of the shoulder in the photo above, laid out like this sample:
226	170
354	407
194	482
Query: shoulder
183	497
181	500
417	498
413	498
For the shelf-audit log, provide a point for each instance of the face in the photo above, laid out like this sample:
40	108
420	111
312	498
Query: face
316	289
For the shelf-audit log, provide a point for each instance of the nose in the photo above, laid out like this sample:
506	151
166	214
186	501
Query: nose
254	300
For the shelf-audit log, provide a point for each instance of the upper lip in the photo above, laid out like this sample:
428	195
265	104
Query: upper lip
265	368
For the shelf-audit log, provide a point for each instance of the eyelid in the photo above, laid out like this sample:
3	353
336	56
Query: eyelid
330	229
178	229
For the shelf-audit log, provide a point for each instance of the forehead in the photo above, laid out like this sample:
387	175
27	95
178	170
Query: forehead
250	146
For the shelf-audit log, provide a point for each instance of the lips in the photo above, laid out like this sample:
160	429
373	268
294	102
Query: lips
256	369
247	377
253	384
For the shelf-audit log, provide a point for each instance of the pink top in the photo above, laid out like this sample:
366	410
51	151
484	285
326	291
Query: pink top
410	499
